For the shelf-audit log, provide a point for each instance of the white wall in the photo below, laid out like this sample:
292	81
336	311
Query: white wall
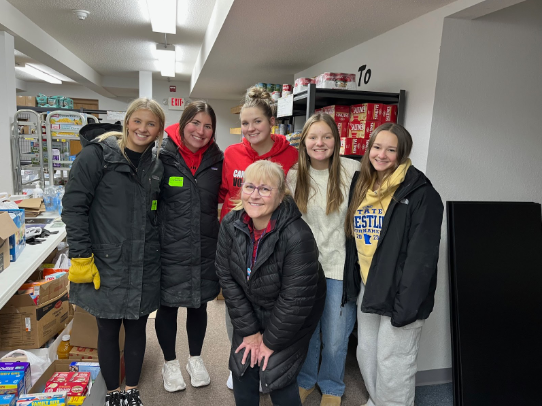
485	135
403	58
224	118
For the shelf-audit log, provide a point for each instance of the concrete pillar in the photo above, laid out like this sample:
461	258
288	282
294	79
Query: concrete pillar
145	84
8	108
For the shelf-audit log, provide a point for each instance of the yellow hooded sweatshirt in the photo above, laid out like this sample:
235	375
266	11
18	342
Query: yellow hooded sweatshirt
369	217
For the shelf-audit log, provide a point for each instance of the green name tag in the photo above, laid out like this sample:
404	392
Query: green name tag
176	181
154	205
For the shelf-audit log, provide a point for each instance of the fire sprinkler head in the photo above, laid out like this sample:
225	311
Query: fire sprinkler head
81	14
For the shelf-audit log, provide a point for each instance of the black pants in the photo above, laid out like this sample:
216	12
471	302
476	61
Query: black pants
166	329
247	390
109	352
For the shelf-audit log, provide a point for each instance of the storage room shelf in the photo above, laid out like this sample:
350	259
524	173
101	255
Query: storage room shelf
49	109
328	97
31	258
307	101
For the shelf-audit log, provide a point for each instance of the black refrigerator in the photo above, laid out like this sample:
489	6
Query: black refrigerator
495	270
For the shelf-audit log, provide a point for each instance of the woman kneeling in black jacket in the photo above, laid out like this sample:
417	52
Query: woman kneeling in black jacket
274	286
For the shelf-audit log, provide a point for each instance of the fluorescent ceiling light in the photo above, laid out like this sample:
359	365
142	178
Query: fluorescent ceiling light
31	70
166	59
163	15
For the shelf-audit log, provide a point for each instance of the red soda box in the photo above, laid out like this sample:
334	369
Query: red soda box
389	113
366	112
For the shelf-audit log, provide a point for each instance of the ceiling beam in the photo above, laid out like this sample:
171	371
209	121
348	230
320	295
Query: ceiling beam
484	8
34	42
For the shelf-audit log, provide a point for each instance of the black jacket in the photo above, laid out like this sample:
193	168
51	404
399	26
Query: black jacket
108	211
189	225
403	274
284	297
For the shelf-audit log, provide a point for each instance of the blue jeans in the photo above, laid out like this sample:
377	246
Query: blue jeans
335	326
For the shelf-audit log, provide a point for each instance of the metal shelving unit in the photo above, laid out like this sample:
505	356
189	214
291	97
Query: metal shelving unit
307	101
66	128
24	144
313	98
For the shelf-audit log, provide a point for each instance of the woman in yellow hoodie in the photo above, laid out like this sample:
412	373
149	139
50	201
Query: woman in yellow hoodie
394	220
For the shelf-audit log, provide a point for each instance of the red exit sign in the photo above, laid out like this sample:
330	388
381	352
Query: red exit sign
176	103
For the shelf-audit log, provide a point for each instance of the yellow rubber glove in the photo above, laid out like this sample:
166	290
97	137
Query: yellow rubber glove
83	270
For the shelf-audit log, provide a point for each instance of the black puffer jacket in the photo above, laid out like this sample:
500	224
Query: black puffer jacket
284	297
109	212
403	274
189	226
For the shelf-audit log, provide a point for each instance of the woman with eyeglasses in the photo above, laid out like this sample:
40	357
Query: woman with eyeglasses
273	284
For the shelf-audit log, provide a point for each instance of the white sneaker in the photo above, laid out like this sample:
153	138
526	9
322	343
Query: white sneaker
173	378
229	383
198	373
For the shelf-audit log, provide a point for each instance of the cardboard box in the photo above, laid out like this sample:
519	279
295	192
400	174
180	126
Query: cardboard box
338	113
352	146
83	366
25	324
366	112
22	367
49	353
76	400
362	129
343	128
8	400
85	330
12	383
17	241
83	353
389	114
42	399
30	101
7	229
97	392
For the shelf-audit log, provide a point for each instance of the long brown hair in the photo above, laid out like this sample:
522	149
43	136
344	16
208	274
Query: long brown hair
335	184
191	111
139	104
368	173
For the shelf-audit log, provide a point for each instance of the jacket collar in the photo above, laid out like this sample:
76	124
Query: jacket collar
212	156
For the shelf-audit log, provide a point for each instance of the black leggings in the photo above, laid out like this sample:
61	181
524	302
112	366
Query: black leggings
166	329
109	352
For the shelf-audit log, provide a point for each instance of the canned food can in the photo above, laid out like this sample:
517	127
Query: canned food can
284	94
282	129
275	95
262	86
270	87
287	88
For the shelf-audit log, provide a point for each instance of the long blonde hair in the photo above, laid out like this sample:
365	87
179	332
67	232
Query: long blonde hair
263	170
368	174
142	103
335	185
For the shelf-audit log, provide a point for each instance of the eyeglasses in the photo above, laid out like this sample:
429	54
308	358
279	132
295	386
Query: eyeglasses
264	191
